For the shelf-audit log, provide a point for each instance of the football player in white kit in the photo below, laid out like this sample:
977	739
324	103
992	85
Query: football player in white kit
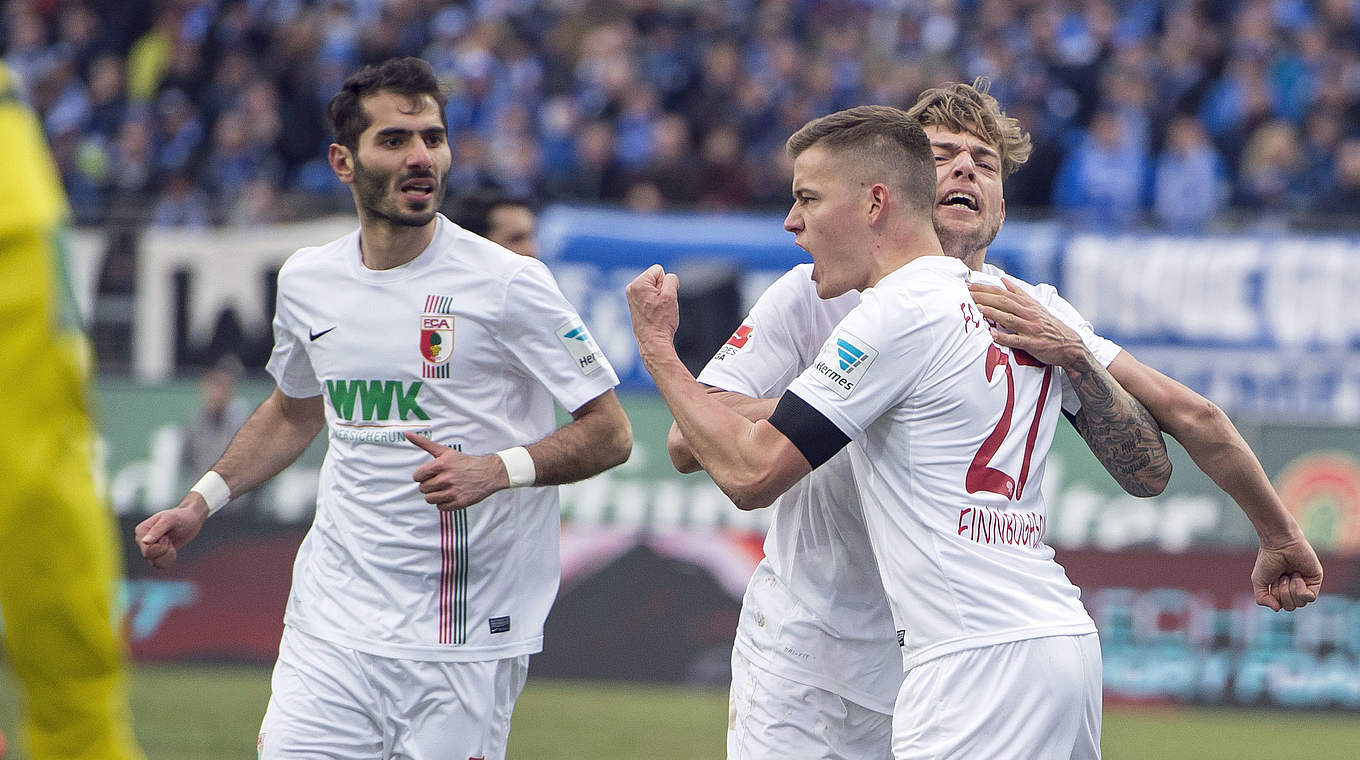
433	358
807	650
952	434
815	660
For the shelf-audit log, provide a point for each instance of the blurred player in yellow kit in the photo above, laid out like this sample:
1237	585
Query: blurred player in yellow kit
58	559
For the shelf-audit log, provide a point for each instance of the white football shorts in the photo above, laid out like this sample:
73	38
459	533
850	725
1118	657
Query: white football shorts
337	703
1037	699
770	717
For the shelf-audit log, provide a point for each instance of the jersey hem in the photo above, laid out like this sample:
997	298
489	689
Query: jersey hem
913	658
767	661
460	653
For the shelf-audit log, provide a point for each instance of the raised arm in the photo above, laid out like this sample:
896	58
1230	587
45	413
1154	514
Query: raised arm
1287	572
598	437
270	440
1116	427
682	456
752	462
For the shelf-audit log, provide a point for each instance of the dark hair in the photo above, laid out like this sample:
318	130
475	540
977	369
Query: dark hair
472	212
411	77
970	108
884	142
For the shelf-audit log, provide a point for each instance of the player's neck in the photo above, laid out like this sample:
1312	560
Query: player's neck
975	259
384	245
909	246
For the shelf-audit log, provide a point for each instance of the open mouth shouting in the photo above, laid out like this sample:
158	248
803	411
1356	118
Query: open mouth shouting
961	200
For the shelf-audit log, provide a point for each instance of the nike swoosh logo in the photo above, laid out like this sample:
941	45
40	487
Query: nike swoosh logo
315	335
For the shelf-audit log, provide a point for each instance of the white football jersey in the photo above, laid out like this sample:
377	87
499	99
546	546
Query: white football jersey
815	609
467	344
953	433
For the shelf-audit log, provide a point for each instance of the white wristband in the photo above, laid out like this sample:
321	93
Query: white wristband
519	466
213	489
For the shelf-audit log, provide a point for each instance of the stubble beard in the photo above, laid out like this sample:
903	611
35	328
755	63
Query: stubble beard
963	244
377	198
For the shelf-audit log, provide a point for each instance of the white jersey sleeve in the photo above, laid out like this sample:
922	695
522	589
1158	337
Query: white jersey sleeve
778	338
544	336
289	364
850	382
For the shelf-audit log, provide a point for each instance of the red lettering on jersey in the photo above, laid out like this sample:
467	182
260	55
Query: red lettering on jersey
969	319
739	338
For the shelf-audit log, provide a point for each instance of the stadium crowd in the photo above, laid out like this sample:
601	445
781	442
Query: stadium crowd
200	112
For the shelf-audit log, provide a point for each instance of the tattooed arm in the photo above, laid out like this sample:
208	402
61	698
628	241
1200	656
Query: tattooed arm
1119	431
1287	574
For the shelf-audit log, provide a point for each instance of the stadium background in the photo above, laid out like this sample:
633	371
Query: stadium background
1194	191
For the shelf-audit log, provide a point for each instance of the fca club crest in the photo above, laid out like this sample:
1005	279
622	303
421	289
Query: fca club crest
436	337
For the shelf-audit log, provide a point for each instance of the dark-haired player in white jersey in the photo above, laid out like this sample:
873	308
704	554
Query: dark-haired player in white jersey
951	431
825	657
432	357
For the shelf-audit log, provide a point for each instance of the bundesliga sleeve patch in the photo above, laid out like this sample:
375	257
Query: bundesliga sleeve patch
582	347
843	361
735	343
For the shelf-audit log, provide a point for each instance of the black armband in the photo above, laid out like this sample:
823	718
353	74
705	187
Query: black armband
815	436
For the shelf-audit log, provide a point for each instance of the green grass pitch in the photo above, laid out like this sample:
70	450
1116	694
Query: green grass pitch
204	712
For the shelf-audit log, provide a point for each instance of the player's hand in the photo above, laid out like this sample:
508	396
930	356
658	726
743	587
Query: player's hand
162	535
454	480
1286	577
653	302
1031	327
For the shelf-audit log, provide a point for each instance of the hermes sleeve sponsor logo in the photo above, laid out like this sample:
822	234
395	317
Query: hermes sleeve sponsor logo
735	343
576	338
843	361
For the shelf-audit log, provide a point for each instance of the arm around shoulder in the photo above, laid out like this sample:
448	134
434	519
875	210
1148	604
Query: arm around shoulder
1287	574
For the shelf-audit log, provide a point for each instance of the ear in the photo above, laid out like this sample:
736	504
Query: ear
342	163
878	201
1003	209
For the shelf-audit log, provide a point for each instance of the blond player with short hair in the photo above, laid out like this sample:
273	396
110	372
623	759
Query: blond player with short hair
951	434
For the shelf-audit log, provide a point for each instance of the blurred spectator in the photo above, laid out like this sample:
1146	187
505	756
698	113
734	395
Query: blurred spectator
182	204
236	159
1322	133
1102	181
219	415
672	168
1343	193
1191	185
594	174
1270	173
502	219
179	132
128	188
108	102
574	101
471	158
724	182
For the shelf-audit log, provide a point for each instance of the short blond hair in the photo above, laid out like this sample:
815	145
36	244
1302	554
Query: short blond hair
970	108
